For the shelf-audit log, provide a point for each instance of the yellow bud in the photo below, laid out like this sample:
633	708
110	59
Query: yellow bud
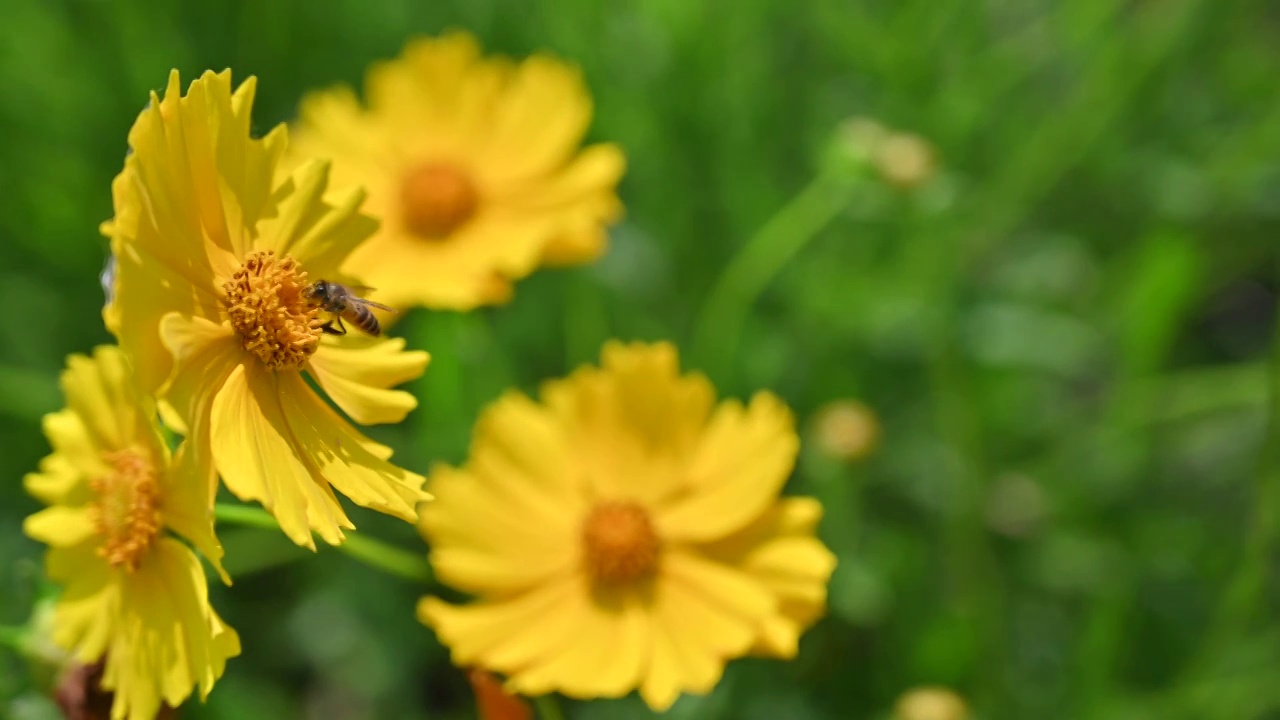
905	160
930	703
846	430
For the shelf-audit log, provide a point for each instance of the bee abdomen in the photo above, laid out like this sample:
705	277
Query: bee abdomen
360	316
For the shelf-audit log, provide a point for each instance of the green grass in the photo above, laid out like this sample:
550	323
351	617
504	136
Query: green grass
1079	310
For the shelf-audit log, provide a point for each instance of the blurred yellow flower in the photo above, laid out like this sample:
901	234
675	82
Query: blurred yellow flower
930	703
210	299
132	591
624	533
472	165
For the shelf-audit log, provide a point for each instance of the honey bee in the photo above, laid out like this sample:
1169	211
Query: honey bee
339	300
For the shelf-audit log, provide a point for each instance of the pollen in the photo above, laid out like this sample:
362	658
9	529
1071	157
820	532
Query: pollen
437	198
620	543
267	305
127	510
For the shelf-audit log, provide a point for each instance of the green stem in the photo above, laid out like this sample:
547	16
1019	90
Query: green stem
370	551
759	261
13	637
1239	603
548	707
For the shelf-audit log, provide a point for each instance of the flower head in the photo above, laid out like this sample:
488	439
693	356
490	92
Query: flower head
473	166
625	532
213	265
134	595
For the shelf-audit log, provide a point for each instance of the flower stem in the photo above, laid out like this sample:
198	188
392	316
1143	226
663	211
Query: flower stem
13	637
758	262
548	708
370	551
1240	601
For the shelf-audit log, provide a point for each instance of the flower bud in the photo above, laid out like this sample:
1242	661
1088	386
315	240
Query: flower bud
846	430
905	161
930	703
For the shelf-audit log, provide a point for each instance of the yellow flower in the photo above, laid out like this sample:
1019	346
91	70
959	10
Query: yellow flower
210	300
132	591
472	164
624	533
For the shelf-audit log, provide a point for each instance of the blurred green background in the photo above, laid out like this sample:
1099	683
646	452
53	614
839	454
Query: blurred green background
1064	330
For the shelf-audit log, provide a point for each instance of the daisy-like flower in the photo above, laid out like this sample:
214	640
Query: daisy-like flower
625	532
472	164
133	592
212	300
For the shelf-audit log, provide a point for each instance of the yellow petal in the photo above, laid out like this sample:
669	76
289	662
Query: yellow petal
85	615
59	482
99	391
145	291
318	235
416	94
606	649
204	352
257	460
357	376
61	526
742	462
170	638
407	272
705	613
633	422
187	206
507	634
73	442
187	488
483	540
539	122
332	120
342	458
780	551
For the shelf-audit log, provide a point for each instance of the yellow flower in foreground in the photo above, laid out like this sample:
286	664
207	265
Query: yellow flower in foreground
210	301
472	165
625	533
132	591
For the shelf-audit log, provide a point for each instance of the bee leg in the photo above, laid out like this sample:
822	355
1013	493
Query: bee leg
331	330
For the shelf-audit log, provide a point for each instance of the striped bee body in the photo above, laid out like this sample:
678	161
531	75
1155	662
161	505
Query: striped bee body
344	304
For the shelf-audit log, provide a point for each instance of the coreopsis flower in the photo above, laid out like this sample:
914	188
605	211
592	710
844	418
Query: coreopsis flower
624	533
134	595
213	297
473	166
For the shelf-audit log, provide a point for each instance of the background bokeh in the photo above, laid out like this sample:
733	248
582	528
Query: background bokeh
1064	330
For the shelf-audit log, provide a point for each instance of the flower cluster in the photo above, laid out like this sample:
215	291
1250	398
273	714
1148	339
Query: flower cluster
622	532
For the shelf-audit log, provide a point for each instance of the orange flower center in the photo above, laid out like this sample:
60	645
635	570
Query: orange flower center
621	545
268	306
127	511
437	198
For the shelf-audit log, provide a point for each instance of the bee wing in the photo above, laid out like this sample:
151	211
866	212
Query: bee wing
380	306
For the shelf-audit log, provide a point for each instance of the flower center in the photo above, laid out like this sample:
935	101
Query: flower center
621	545
436	199
268	306
127	511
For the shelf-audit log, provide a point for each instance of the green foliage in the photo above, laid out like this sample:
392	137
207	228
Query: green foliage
1074	509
